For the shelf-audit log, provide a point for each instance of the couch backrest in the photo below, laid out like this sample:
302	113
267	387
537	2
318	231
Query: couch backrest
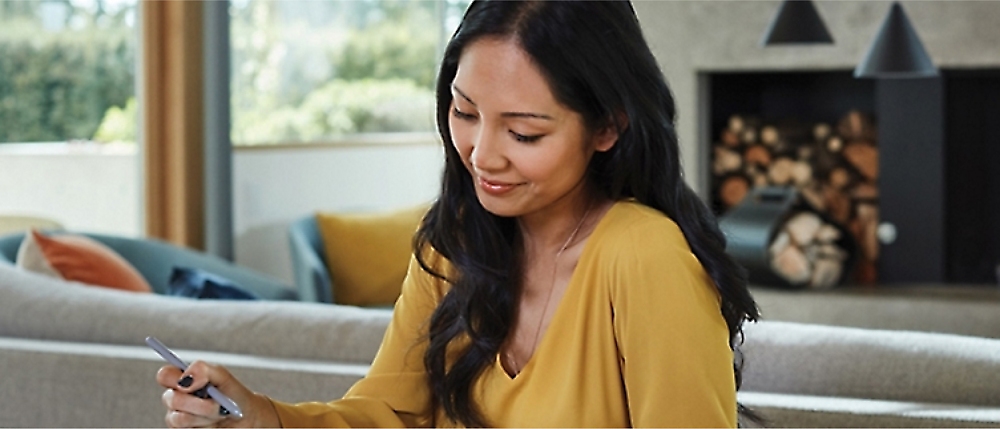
797	358
156	259
36	306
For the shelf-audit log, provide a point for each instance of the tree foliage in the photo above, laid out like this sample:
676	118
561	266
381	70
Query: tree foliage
57	85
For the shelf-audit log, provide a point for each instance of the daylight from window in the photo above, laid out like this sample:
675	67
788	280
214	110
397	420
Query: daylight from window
67	71
308	71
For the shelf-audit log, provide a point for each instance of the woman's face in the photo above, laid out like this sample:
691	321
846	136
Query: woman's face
526	152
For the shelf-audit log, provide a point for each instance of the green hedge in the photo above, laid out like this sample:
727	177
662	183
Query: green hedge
57	87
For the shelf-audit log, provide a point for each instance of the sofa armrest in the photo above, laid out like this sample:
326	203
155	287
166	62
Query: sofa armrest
311	276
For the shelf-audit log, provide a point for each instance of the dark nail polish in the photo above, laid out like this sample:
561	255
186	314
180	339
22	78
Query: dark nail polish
201	393
186	381
223	411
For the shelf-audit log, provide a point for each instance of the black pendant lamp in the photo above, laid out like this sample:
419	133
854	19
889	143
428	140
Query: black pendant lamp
896	51
797	22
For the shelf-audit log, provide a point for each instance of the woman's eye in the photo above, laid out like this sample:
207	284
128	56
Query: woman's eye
525	139
461	115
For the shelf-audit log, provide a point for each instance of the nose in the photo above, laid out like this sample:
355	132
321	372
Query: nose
487	153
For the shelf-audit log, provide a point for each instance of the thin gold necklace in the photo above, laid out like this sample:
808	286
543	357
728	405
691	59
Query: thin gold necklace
545	310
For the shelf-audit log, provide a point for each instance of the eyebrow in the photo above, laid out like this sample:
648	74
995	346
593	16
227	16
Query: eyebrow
504	114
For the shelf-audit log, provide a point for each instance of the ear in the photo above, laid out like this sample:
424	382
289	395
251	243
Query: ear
606	138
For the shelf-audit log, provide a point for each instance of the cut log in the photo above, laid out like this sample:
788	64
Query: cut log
781	241
864	158
730	138
867	217
733	189
748	135
835	144
821	132
780	172
803	228
802	173
792	265
726	161
758	155
736	123
813	197
769	135
828	234
857	126
839	178
838	205
826	273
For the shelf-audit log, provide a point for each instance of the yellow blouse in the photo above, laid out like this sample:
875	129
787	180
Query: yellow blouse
637	340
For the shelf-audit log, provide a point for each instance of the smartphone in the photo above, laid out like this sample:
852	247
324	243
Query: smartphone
228	405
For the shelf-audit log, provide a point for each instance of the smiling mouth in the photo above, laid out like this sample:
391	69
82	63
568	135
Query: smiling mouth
495	188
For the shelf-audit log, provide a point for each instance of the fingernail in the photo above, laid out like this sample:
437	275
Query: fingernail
223	411
186	381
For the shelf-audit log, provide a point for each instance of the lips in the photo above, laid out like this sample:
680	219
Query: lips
494	187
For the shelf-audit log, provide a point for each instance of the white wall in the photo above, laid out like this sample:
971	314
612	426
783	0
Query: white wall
85	187
274	186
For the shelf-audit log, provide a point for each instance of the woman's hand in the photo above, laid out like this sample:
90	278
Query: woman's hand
187	410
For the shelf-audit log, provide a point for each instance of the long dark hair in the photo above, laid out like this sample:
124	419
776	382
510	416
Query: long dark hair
597	63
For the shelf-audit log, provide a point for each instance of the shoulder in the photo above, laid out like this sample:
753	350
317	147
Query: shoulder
640	231
642	250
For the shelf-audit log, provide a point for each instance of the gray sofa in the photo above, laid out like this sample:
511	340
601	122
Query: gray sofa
72	355
155	260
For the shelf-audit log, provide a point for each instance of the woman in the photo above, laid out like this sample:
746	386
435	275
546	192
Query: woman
566	275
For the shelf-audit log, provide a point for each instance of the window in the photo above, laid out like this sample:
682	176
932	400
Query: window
67	71
327	71
68	113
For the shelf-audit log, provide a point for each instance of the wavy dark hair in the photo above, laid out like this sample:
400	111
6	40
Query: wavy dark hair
595	59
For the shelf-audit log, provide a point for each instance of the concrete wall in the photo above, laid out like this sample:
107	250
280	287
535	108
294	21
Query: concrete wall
692	37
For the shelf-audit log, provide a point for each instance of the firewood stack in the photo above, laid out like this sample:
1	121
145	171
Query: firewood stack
835	169
805	252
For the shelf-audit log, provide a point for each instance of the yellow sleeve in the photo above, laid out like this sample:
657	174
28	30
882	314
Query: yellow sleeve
395	392
672	338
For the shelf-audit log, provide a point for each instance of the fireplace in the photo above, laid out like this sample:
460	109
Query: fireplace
927	210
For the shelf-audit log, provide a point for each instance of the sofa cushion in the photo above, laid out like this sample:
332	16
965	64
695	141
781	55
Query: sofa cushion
35	306
83	259
31	258
200	284
367	254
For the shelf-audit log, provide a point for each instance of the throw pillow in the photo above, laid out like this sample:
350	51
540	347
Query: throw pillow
200	284
30	258
82	259
368	254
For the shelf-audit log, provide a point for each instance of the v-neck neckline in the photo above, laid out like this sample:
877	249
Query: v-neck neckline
585	254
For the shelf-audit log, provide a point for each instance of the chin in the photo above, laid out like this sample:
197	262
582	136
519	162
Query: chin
498	208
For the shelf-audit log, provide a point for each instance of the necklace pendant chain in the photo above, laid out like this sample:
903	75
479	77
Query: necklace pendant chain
552	287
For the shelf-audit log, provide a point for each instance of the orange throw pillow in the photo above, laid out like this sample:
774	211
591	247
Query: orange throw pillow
82	259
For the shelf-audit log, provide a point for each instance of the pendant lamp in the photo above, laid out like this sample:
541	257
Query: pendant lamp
797	22
896	51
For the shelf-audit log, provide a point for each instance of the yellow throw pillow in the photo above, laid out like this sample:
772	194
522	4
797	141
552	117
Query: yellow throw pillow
367	254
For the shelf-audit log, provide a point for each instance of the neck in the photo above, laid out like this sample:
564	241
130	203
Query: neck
551	231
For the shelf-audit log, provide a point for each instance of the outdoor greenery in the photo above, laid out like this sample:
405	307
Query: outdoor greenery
57	83
301	71
314	71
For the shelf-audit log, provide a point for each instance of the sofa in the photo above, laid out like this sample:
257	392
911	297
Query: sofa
155	259
72	355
